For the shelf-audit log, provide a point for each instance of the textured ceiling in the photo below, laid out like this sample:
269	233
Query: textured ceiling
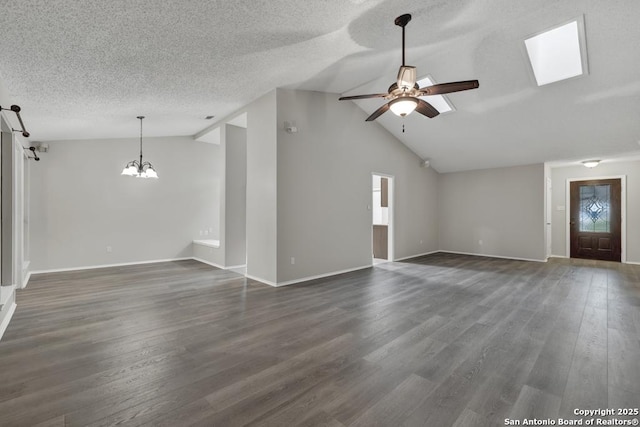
85	69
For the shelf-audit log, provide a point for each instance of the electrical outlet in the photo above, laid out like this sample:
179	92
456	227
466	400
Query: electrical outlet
109	249
201	232
480	242
420	241
293	260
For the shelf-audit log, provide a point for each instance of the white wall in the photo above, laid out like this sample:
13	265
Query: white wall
503	208
560	175
80	204
262	189
325	187
235	196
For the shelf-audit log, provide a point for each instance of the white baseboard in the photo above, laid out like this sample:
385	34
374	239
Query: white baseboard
212	264
557	256
320	276
6	318
26	274
632	263
417	256
25	282
494	256
123	264
258	279
231	267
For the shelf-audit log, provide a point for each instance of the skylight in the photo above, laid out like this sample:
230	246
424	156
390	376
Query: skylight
556	54
439	102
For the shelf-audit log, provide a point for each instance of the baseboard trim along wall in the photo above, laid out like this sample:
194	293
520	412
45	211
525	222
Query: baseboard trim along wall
212	264
289	282
417	256
25	282
231	267
321	276
495	256
257	279
6	318
123	264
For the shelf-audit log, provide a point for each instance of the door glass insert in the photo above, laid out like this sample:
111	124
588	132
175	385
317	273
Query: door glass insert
595	211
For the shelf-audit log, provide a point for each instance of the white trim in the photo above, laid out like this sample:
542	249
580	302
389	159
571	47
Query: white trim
212	264
391	244
557	256
7	318
26	280
257	279
419	255
92	267
235	266
9	292
623	212
319	276
26	274
632	263
495	256
211	243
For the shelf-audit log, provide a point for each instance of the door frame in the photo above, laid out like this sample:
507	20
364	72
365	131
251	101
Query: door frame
623	212
390	230
548	219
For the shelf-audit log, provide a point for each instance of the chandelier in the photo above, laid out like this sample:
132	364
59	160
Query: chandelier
138	168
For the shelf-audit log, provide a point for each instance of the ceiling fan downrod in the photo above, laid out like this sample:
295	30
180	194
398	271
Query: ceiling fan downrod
402	21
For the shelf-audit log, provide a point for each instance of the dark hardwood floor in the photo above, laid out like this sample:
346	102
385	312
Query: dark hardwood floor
440	340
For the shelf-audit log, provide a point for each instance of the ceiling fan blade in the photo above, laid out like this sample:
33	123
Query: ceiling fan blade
442	88
373	95
426	109
380	111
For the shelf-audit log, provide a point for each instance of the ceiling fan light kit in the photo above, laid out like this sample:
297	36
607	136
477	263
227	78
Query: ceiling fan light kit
403	106
404	95
591	163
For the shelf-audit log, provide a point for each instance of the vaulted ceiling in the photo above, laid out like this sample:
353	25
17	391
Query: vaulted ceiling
86	69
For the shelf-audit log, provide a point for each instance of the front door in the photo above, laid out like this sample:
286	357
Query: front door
595	220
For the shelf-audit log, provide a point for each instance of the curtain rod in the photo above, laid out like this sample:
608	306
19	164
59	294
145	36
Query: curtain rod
16	109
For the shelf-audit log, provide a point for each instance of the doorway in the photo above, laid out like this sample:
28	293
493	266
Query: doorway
595	219
382	218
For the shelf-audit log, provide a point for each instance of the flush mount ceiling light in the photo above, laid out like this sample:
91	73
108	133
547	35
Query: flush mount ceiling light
591	163
138	168
558	54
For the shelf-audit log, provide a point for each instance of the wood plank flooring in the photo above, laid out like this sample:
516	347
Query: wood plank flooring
441	340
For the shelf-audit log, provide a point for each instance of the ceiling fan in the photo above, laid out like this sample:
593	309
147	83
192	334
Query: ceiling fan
403	94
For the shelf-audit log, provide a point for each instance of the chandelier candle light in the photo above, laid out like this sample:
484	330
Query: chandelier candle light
138	168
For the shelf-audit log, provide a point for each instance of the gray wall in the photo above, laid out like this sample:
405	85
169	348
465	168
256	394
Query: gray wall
236	196
503	208
325	187
559	177
262	188
80	204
